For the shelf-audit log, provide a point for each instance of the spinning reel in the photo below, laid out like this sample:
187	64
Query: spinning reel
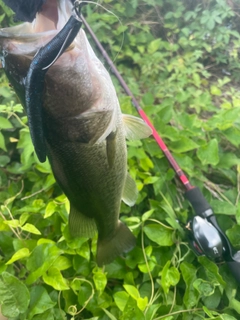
206	237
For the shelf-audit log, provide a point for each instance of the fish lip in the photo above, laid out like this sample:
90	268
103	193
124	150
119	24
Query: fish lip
64	11
11	33
55	12
27	38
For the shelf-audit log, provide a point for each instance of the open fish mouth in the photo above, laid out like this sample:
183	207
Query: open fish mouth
51	18
53	15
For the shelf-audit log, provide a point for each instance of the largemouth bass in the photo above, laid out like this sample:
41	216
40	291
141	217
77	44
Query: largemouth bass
84	129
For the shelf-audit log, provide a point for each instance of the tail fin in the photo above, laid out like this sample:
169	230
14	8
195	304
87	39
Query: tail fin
122	241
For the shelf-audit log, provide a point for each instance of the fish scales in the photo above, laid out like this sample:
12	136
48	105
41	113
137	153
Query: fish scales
84	128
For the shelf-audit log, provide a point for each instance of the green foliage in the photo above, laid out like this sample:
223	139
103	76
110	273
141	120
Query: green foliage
181	60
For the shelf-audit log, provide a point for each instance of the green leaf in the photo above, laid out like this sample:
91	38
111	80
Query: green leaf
208	312
147	214
189	276
40	260
49	315
100	280
205	288
30	228
213	300
170	277
234	235
151	311
212	271
154	46
85	293
183	145
62	263
235	304
134	258
150	180
23	218
84	251
142	303
223	207
131	311
233	135
25	143
132	291
50	209
5	123
121	298
22	253
12	223
116	269
210	24
215	91
2	142
14	296
110	316
208	154
159	234
40	301
54	278
226	316
4	160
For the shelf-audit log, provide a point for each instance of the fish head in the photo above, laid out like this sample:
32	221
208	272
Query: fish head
77	78
20	43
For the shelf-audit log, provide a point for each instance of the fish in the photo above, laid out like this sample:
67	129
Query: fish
84	129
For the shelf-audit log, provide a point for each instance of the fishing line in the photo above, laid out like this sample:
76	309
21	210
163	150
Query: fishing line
62	49
79	2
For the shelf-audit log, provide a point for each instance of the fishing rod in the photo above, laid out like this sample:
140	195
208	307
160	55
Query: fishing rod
205	235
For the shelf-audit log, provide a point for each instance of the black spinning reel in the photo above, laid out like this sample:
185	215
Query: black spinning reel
206	237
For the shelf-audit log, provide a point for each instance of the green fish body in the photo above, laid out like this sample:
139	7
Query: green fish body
84	128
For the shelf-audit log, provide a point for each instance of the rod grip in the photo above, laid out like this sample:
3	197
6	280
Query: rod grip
234	266
198	201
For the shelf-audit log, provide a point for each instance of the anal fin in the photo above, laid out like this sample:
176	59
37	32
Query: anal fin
80	225
130	191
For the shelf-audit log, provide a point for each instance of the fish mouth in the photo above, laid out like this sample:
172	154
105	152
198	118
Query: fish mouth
29	37
52	16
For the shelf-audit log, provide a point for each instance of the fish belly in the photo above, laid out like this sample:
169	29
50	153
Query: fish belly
93	188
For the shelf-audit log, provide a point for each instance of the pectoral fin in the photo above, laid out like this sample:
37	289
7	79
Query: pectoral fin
80	225
90	127
111	148
130	191
135	128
